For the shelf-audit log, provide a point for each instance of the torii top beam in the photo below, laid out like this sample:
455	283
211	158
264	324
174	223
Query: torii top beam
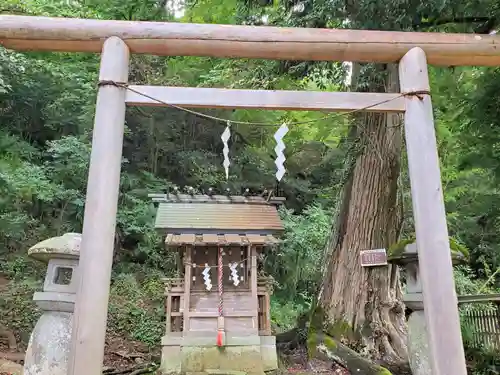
25	33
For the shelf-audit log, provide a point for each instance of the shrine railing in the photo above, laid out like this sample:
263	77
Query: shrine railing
265	283
174	285
177	285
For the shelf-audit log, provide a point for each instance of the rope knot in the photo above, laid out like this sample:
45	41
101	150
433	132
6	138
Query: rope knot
418	93
111	83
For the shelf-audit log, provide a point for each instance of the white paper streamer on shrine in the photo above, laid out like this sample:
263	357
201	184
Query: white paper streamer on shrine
234	273
206	277
225	138
280	147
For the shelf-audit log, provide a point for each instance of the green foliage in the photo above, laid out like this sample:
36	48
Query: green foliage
17	266
137	308
284	314
298	264
484	361
19	313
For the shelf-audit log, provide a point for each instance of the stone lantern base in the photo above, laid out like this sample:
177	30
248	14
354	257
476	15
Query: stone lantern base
49	346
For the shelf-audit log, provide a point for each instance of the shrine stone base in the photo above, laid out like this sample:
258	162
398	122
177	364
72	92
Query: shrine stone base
252	355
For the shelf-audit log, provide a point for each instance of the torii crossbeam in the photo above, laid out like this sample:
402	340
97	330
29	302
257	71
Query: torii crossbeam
117	39
26	33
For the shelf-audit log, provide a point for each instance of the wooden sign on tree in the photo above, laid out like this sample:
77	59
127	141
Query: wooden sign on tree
373	258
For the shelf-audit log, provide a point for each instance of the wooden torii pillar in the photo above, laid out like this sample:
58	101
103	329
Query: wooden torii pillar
99	223
119	38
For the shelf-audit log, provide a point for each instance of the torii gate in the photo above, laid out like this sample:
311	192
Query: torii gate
115	40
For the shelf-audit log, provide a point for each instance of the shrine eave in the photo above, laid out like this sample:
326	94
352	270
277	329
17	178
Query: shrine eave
224	239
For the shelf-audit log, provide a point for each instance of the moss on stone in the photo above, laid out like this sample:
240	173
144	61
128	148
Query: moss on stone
456	248
339	329
311	345
317	318
329	342
398	248
383	371
318	321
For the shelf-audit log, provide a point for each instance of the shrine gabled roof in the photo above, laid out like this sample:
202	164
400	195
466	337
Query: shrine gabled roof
217	214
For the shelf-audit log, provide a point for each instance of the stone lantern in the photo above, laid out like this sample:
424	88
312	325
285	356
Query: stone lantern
418	347
50	342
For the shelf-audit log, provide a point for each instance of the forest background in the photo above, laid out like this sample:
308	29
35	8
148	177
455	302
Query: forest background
46	114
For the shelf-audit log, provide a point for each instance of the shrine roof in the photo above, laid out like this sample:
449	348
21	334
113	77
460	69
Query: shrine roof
205	198
216	214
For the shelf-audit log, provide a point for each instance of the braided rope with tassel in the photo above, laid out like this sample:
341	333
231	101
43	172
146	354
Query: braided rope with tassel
220	333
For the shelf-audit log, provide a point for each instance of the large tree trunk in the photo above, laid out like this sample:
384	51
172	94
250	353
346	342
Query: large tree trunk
367	301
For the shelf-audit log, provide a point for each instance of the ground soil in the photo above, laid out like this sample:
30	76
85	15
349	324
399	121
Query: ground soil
119	354
296	362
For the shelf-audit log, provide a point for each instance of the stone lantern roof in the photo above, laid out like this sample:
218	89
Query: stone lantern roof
66	246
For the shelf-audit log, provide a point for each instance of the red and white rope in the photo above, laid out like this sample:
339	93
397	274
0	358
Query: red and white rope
221	288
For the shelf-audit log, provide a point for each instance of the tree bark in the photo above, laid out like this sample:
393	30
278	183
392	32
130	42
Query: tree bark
364	304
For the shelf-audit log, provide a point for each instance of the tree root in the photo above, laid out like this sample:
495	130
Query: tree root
326	348
322	346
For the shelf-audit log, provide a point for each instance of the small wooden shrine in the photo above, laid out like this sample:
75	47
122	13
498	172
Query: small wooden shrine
218	308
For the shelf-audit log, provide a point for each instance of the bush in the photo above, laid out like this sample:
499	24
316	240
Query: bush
297	264
284	314
18	311
136	310
482	360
